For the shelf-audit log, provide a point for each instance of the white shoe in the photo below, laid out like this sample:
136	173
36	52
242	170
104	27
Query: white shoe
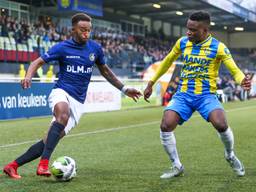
235	164
173	172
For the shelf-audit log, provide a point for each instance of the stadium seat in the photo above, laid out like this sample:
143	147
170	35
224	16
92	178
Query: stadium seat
1	39
20	52
10	52
12	40
2	48
6	40
25	52
1	55
34	55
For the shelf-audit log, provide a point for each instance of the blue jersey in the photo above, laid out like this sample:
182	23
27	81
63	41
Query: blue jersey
76	64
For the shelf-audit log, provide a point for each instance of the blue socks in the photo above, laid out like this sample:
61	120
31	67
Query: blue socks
41	149
52	139
31	154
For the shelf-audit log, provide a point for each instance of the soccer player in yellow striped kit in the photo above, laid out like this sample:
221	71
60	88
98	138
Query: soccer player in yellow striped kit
201	55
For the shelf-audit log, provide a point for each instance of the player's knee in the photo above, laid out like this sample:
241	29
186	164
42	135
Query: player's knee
165	127
62	118
221	126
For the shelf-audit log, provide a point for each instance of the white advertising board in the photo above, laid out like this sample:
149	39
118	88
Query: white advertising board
102	96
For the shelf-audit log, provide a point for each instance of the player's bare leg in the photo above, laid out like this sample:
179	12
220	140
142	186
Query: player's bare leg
218	120
169	123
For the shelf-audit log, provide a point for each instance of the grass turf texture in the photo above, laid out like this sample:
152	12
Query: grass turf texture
120	151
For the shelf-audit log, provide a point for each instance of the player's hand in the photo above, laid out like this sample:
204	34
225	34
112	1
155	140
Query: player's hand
133	93
25	83
148	91
246	83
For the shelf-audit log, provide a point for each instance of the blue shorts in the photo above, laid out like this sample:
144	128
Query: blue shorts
185	104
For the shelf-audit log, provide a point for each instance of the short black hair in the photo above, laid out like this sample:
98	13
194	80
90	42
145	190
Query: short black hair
201	16
80	17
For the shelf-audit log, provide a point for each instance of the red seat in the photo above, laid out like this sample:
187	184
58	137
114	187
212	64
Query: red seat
10	55
1	55
25	56
33	55
13	55
19	55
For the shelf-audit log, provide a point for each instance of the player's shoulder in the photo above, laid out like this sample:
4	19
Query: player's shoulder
181	43
57	47
94	44
215	41
61	44
222	48
183	39
67	42
222	45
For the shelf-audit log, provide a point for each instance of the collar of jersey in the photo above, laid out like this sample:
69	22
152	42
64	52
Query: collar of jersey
80	44
204	41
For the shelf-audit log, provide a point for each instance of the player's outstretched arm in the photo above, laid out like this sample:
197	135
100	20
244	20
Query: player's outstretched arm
148	90
240	78
111	77
162	69
246	83
26	82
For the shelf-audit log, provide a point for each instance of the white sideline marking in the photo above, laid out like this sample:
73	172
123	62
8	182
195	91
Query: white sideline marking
87	133
115	128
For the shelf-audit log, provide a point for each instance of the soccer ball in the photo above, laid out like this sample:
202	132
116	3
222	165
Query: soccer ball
63	168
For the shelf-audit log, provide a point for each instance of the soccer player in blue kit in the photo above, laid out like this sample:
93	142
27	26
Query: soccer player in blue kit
76	57
201	55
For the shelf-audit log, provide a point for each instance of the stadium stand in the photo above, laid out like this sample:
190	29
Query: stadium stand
126	52
121	49
21	42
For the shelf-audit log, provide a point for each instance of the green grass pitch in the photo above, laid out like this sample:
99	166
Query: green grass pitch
121	152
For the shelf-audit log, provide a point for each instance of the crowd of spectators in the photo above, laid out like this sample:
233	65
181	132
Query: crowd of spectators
232	90
21	30
122	50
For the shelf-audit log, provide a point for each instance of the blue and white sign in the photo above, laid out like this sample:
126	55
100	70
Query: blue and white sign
18	103
65	4
33	102
92	7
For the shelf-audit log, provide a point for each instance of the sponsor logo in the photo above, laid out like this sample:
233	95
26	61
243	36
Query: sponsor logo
190	59
65	3
79	69
92	57
207	51
73	57
21	101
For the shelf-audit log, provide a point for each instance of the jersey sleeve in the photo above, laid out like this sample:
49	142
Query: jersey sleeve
167	61
100	56
54	53
226	57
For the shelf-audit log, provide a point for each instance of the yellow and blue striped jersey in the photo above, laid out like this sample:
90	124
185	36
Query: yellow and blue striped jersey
201	65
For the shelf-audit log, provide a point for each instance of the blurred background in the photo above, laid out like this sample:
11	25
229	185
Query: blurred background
135	36
117	147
